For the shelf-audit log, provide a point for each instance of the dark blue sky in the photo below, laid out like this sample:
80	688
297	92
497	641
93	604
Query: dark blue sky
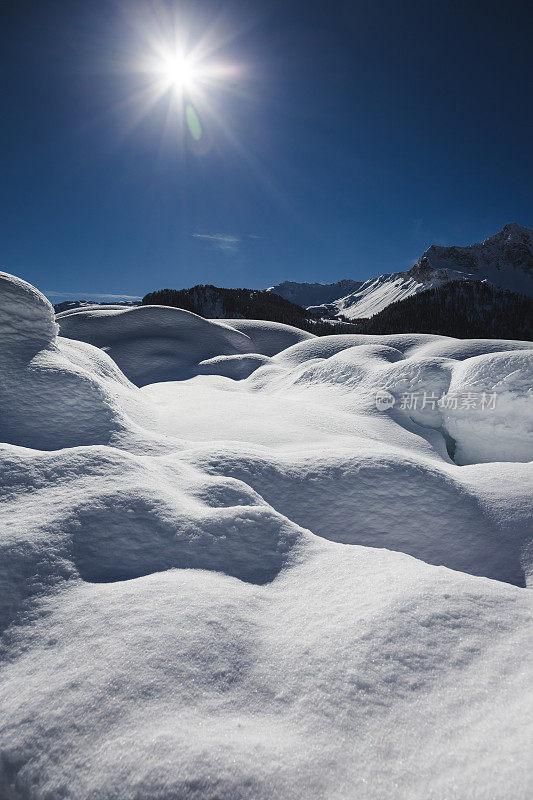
354	135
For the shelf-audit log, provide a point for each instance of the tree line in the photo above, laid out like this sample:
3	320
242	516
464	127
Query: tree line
463	309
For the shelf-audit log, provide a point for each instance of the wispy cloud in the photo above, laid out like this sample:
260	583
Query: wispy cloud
79	295
222	241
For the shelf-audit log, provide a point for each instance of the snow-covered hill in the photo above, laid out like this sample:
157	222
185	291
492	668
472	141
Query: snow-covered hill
505	259
218	302
377	293
314	294
306	583
461	308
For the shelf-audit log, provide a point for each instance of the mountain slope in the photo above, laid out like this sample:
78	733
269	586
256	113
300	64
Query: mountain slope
505	260
314	294
216	302
459	308
69	305
377	293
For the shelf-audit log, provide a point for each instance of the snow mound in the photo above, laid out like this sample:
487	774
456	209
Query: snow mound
54	392
189	683
124	521
478	394
502	428
159	343
368	498
281	566
236	367
26	316
268	338
459	349
326	346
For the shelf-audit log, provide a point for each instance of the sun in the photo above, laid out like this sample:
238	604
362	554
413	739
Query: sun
178	72
180	76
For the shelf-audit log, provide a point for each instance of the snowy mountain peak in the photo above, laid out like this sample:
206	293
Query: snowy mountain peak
506	259
512	226
514	229
314	294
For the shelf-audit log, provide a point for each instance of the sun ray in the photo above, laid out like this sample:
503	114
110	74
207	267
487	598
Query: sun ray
177	60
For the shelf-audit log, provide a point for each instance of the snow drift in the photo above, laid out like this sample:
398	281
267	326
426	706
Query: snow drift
158	343
55	392
253	563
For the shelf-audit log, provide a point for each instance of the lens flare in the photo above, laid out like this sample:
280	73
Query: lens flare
193	123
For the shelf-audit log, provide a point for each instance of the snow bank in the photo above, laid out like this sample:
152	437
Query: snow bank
268	338
381	497
500	428
276	577
26	316
159	343
478	393
56	393
192	683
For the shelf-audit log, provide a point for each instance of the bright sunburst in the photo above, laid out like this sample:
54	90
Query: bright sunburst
182	67
178	72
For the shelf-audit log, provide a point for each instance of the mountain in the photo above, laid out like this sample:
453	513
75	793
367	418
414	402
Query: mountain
505	260
460	308
69	305
314	294
377	293
476	290
454	307
215	302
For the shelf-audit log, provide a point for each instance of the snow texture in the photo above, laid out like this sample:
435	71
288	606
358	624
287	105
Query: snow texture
159	343
227	571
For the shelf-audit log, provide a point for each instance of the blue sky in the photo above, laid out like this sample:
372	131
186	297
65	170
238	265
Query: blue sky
347	138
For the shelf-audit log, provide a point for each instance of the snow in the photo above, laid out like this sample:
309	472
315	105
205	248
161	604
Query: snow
506	429
225	572
268	338
72	305
26	317
158	343
377	293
